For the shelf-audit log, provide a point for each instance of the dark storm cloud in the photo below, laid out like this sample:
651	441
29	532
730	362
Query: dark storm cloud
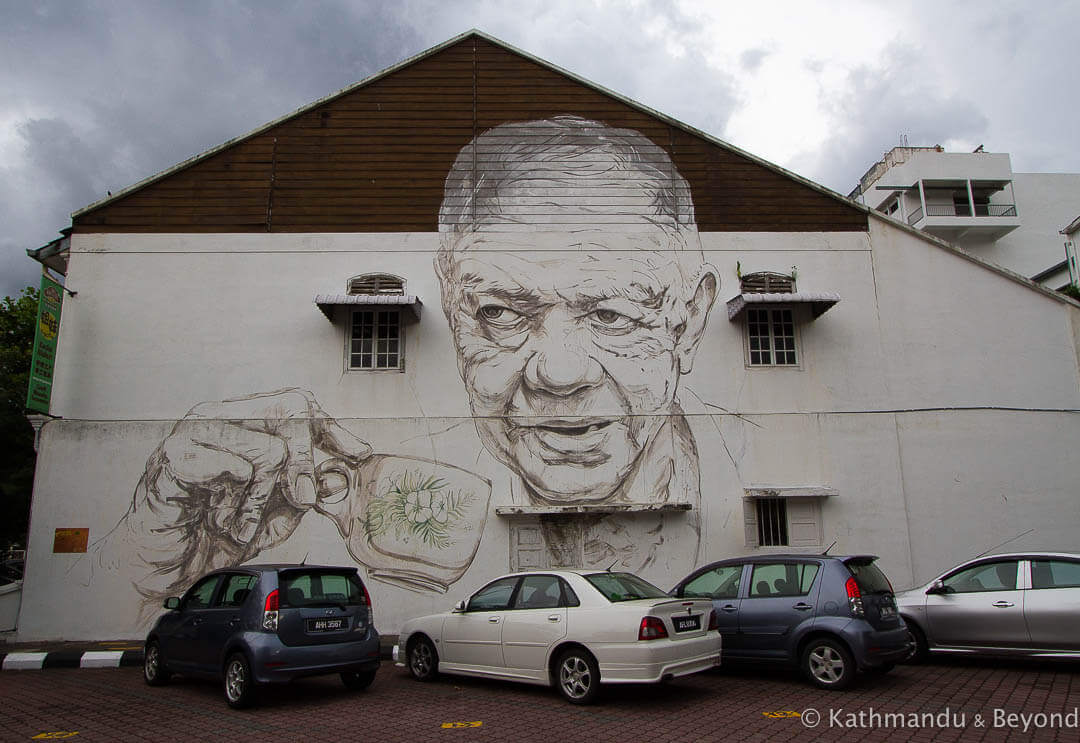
102	95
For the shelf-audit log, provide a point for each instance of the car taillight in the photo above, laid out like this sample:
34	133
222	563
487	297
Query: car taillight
714	623
367	597
652	628
854	597
270	612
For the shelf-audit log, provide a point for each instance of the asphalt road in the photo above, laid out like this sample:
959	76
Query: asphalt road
944	700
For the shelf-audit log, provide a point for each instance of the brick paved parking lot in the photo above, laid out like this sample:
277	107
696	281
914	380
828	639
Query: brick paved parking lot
945	700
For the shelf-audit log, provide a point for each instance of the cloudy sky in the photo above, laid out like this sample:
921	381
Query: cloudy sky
95	96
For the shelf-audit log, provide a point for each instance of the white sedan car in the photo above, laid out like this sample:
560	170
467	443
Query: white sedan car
571	629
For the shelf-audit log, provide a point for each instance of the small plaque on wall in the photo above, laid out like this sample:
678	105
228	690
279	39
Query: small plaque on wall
70	540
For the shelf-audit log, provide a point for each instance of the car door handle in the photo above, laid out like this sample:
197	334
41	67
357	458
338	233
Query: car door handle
802	606
197	621
494	620
554	618
1003	604
729	608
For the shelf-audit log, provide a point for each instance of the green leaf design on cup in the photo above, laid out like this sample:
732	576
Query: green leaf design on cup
414	504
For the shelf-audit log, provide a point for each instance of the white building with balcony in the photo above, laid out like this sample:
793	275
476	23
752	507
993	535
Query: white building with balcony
975	201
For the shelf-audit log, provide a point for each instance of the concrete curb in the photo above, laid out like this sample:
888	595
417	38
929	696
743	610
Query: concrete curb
36	660
70	659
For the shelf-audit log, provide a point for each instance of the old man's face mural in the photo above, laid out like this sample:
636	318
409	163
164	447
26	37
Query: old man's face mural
576	293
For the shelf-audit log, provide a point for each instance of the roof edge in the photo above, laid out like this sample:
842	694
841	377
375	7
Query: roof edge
1000	270
269	125
670	120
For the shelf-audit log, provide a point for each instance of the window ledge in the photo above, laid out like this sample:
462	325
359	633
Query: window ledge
591	509
820	302
772	491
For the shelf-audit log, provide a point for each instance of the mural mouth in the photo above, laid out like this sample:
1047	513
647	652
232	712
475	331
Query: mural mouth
575	427
570	441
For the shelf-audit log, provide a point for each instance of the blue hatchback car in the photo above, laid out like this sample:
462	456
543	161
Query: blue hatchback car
829	615
263	624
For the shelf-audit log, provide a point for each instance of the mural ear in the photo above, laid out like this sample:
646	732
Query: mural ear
697	315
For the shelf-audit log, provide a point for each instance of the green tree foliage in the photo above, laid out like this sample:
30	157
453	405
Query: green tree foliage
17	320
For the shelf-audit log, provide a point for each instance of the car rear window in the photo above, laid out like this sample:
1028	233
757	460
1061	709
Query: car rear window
320	588
624	587
869	577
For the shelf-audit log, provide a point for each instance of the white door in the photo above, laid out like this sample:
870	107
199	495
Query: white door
473	638
535	622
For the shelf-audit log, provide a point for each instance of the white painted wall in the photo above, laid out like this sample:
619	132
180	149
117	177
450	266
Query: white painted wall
938	398
1045	203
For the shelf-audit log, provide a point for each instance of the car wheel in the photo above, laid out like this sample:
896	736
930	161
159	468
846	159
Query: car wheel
828	664
578	676
357	680
917	640
423	660
155	672
239	684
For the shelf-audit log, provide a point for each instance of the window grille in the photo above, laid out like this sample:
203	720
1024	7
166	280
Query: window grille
767	282
772	522
377	283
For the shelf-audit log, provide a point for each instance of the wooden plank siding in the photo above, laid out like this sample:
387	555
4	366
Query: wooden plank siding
375	158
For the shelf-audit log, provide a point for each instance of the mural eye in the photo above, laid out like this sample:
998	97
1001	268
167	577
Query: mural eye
499	316
612	320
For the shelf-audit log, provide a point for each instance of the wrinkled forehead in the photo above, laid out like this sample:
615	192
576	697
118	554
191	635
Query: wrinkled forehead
596	263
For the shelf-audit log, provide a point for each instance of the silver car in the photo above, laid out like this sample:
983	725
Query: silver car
1022	604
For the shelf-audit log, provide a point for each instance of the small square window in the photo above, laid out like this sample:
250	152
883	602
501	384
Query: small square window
770	336
783	521
375	339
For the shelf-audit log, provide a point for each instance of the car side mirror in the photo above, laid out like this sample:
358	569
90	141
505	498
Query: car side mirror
937	587
172	603
459	607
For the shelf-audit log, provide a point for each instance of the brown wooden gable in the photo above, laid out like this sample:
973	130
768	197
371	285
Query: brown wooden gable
374	158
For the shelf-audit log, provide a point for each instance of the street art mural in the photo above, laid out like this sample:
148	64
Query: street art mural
576	293
573	281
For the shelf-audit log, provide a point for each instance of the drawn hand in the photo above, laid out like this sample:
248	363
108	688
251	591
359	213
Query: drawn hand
233	478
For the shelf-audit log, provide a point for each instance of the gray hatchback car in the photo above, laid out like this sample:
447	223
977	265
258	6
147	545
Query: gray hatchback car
262	624
1015	604
829	615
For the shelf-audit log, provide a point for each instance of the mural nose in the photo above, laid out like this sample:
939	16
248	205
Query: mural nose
562	370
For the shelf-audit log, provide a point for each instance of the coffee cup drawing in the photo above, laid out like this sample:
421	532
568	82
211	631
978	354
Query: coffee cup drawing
414	523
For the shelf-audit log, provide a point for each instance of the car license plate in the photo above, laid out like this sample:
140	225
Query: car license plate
325	625
685	624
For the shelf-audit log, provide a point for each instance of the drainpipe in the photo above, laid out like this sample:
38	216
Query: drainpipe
971	198
922	199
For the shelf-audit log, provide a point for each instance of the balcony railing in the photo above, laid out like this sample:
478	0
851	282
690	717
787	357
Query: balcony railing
962	210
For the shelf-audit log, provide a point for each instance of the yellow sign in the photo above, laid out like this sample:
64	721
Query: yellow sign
462	724
780	714
70	540
54	736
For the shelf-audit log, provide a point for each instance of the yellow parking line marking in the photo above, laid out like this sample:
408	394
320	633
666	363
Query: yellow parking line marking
56	735
780	714
475	724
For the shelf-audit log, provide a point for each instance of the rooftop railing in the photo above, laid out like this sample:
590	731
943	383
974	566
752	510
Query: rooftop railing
962	210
